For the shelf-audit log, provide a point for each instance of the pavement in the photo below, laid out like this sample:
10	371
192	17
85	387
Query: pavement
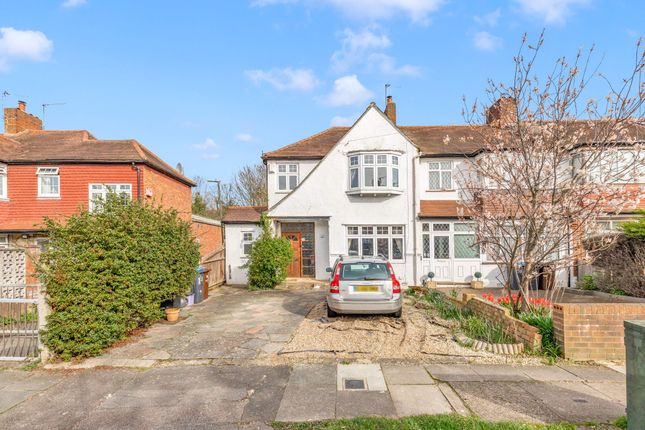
251	397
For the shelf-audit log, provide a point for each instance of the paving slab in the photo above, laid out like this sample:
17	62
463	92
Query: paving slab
313	374
307	403
454	372
504	401
455	401
371	373
549	374
616	391
594	373
9	399
419	400
576	401
499	372
406	375
351	404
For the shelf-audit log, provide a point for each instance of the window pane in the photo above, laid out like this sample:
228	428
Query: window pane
382	176
381	159
464	226
353	161
382	247
367	230
247	248
433	166
395	177
382	230
364	271
1	185
397	248
397	229
369	176
395	159
465	246
353	178
442	247
282	182
282	168
434	183
368	159
49	185
352	246
293	168
426	246
441	227
293	182
446	165
446	180
425	227
368	247
352	230
248	237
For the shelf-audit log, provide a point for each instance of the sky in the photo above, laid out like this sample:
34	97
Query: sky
213	84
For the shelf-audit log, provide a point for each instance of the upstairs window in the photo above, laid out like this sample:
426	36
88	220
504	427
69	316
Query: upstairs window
440	175
99	192
373	171
48	182
287	177
3	181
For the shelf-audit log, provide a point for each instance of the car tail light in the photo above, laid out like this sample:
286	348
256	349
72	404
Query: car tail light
396	285
334	287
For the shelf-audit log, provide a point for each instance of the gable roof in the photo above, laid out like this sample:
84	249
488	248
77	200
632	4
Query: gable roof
78	146
243	214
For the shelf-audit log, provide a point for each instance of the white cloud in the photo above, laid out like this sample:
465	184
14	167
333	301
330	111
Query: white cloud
355	46
73	3
551	11
417	10
484	41
17	45
342	121
489	19
286	79
207	149
243	137
347	91
387	65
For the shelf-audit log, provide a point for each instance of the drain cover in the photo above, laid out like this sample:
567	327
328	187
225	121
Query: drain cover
355	384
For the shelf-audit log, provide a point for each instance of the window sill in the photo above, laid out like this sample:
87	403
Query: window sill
48	198
368	192
441	191
4	199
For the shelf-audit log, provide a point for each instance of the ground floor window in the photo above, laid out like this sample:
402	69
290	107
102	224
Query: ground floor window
376	240
4	241
247	243
445	240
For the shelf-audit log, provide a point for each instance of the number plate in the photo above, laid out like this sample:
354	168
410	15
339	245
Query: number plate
366	288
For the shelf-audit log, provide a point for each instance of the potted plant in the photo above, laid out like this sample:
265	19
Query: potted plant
477	282
430	283
172	314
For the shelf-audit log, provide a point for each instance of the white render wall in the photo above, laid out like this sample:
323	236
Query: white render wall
304	168
235	274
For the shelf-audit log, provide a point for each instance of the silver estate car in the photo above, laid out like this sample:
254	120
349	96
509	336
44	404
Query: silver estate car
363	286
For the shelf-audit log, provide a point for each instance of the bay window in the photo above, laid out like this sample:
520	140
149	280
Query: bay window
374	241
287	177
373	172
48	182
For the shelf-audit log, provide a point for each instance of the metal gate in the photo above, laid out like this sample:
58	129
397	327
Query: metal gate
19	325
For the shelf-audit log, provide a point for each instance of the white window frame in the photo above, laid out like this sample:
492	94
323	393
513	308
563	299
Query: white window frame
47	172
374	233
287	174
104	189
428	231
246	242
363	161
4	241
4	194
440	170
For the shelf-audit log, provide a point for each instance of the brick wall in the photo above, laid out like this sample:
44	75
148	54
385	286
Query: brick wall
167	192
209	237
594	331
17	120
522	332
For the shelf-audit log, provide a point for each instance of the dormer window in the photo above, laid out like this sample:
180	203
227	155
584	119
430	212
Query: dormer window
373	173
3	181
48	182
287	177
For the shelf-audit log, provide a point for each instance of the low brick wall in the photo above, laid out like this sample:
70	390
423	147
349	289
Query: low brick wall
594	331
522	332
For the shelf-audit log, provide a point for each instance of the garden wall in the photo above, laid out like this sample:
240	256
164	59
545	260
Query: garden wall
593	331
522	332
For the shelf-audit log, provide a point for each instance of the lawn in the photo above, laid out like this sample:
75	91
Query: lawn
425	422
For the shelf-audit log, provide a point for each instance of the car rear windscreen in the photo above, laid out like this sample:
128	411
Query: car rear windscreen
364	272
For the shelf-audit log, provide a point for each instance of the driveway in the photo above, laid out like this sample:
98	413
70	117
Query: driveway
232	324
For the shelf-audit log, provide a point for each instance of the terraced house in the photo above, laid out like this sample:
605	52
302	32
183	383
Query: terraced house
377	188
53	173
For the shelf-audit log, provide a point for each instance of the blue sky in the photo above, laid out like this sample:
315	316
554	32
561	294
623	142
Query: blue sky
212	84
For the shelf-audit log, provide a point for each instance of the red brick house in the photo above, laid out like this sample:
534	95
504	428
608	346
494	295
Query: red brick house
54	173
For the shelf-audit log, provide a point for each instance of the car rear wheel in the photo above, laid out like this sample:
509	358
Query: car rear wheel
398	313
330	313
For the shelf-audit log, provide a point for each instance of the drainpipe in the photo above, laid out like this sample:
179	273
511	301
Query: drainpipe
414	216
138	169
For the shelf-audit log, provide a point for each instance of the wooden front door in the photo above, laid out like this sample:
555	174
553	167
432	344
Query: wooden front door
294	270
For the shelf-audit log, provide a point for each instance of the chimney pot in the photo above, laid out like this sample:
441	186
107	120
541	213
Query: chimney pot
390	109
22	105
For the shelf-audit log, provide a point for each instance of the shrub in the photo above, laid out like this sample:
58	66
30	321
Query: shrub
621	267
541	318
587	283
107	273
635	229
269	258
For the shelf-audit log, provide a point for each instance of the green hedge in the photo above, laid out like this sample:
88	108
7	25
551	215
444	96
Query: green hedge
108	273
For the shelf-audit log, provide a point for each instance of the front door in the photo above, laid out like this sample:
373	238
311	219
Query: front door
441	252
294	270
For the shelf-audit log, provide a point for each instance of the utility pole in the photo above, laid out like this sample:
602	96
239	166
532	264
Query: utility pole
219	193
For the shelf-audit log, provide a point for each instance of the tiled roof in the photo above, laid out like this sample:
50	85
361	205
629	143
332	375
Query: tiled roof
316	146
243	214
441	209
77	146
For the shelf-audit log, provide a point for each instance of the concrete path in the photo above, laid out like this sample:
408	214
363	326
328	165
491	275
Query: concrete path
238	396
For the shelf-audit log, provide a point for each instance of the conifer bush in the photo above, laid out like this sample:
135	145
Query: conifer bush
270	256
107	273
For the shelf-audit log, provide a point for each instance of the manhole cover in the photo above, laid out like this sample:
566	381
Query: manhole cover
355	384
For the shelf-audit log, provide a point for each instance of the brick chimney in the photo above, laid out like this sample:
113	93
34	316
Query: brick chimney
502	113
390	109
17	119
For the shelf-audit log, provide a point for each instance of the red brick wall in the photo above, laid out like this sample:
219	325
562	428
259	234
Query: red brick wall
24	210
16	120
594	331
209	237
167	192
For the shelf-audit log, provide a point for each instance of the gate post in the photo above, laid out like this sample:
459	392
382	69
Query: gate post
43	311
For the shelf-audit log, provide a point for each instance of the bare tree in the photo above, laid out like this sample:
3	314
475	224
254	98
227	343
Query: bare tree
249	185
552	163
